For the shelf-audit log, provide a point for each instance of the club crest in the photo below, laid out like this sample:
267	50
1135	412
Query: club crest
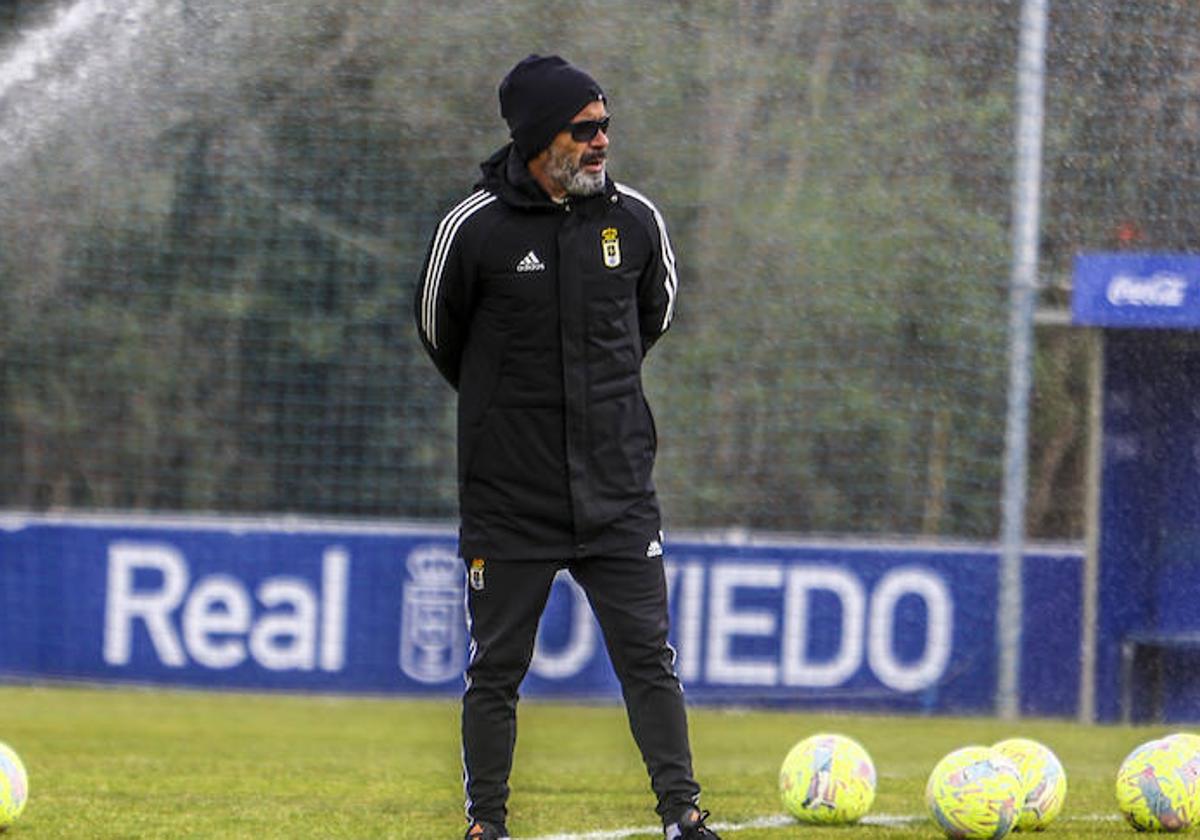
610	244
432	629
476	575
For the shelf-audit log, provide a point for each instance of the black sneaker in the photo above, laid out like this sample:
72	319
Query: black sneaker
691	827
481	830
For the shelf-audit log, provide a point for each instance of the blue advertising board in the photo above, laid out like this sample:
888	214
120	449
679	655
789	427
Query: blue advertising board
334	608
1136	290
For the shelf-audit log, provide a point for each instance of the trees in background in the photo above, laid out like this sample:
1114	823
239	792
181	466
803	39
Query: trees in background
209	245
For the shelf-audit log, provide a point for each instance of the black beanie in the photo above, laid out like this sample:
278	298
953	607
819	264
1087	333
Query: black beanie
539	97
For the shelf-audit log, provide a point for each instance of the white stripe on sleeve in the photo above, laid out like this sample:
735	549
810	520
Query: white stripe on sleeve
442	240
671	282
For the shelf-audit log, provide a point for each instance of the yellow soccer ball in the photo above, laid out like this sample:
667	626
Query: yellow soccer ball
1043	779
828	779
1190	739
14	786
975	792
1157	786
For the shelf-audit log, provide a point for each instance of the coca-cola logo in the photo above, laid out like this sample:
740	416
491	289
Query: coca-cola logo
1162	288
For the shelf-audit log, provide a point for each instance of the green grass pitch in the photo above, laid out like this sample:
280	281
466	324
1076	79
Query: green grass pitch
120	763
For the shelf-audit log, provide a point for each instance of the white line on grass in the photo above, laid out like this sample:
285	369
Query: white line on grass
774	821
654	831
603	835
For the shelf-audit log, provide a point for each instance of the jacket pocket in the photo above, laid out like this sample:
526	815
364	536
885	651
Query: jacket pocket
622	441
517	462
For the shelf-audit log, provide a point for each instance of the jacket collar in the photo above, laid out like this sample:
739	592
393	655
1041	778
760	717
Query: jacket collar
507	176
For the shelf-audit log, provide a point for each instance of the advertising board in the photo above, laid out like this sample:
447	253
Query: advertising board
334	608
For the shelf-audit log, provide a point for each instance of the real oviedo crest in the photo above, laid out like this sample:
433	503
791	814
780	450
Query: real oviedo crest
610	245
432	632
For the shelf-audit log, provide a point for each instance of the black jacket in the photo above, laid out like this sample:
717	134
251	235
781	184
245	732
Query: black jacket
540	314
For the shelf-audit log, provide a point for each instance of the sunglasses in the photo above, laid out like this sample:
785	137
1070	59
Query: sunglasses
584	130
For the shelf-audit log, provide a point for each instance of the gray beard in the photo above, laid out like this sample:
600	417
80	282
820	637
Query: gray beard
567	174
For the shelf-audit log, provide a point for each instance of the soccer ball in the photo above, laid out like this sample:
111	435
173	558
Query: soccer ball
1190	739
1043	778
827	778
1157	785
975	792
14	786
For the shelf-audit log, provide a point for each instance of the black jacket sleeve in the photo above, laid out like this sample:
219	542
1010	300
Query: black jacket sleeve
441	303
658	284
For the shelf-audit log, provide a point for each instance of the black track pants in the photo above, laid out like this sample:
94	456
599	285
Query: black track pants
629	598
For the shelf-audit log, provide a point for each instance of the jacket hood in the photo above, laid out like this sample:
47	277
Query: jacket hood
506	175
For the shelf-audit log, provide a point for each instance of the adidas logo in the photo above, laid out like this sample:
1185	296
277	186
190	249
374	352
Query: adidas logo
654	549
530	262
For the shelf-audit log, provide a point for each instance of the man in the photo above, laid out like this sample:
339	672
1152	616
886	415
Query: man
540	296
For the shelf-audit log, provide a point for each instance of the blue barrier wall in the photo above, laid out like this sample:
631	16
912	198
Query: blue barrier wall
324	607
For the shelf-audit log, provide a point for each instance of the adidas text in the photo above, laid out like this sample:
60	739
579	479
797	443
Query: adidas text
530	262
